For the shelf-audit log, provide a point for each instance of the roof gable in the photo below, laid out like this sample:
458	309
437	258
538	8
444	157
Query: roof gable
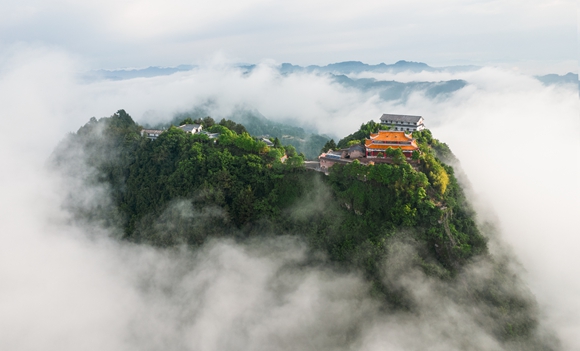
400	118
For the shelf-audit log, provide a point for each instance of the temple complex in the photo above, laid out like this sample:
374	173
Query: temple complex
375	147
379	142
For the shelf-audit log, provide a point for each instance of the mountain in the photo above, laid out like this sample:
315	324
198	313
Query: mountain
387	90
121	74
347	67
393	90
554	79
390	223
307	142
350	67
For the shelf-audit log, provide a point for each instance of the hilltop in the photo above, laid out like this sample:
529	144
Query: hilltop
187	189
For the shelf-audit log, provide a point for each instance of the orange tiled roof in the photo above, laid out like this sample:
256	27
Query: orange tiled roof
385	139
387	135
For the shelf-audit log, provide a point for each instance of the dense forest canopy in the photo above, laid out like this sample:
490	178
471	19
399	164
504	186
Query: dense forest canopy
238	187
253	122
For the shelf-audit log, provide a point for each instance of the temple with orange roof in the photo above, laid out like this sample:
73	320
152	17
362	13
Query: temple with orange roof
384	139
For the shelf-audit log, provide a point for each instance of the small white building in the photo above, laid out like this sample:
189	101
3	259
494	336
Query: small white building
191	128
403	122
151	133
329	158
211	135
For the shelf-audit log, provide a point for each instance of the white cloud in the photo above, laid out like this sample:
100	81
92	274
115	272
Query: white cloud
516	144
66	287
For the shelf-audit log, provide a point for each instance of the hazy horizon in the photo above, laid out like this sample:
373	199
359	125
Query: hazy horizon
66	286
538	38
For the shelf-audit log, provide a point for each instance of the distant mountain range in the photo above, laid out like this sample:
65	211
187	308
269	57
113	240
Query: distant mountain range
121	74
554	79
339	70
347	67
387	90
350	67
393	90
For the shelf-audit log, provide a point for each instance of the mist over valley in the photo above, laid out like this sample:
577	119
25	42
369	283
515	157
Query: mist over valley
230	175
195	276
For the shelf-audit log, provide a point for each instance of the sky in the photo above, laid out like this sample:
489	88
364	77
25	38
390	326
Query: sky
70	287
535	36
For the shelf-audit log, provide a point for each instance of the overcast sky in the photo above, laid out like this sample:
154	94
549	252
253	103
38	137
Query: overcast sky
534	36
61	290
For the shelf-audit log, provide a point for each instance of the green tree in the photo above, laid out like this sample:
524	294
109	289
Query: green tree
243	206
295	161
396	154
290	151
276	153
328	146
437	174
363	133
188	120
207	122
233	126
415	155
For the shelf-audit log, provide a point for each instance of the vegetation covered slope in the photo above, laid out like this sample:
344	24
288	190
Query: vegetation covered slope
256	124
185	189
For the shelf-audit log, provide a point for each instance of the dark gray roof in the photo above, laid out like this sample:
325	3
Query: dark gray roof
189	127
400	118
334	152
210	135
356	147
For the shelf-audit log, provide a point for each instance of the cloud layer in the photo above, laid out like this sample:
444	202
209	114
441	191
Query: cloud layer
64	286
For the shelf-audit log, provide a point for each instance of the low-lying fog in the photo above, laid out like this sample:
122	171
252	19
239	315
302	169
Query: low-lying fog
68	288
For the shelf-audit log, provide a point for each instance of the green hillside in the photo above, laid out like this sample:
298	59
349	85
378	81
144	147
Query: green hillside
305	142
184	189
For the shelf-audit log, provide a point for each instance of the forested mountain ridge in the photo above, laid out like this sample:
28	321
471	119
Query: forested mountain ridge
306	142
184	189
